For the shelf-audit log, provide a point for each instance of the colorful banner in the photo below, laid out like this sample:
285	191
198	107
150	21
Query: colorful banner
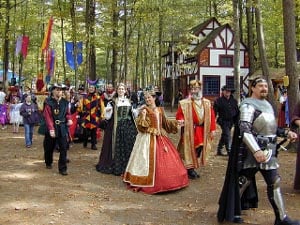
47	36
50	61
19	45
70	54
24	48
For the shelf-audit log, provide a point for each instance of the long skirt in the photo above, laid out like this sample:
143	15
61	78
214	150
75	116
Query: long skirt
169	172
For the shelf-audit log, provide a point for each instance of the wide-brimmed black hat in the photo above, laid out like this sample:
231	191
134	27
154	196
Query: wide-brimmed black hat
227	88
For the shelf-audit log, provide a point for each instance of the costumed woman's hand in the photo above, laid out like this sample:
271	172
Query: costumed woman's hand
260	156
70	122
180	123
212	134
52	133
144	113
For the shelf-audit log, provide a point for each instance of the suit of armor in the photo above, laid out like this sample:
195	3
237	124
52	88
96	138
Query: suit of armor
258	130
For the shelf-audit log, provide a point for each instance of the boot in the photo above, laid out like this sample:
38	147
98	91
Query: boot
219	152
193	174
287	221
84	144
94	147
276	200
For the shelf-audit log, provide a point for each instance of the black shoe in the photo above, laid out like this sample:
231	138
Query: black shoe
287	221
67	160
220	154
94	147
49	166
193	174
64	172
238	219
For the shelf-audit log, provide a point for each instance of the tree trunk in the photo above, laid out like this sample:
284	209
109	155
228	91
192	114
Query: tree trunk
237	42
124	76
250	38
6	44
263	55
74	39
88	39
92	50
290	52
137	58
160	36
114	63
62	40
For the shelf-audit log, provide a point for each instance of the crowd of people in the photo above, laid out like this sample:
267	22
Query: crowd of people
137	148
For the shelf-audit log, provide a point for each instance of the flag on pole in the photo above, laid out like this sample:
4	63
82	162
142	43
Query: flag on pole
50	61
70	54
47	35
25	43
18	45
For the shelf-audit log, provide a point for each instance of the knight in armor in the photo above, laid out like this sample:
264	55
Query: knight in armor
254	150
119	134
57	117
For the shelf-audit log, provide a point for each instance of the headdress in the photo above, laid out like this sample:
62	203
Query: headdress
258	80
150	92
195	84
92	82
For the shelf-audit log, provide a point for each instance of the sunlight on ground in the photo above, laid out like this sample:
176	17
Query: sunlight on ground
34	162
16	137
18	175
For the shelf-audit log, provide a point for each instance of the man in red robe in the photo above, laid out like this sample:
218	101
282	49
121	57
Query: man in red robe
197	120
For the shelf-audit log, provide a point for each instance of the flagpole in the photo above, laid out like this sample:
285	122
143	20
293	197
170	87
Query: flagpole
75	62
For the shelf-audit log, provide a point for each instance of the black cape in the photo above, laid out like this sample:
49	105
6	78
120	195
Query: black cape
230	202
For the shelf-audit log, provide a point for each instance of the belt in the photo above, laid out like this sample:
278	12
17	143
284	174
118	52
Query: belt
58	122
198	125
272	139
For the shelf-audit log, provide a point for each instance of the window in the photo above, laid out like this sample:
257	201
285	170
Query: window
230	81
211	85
226	60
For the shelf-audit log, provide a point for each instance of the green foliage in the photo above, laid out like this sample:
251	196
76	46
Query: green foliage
143	27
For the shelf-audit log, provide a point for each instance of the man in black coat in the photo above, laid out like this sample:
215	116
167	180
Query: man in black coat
226	110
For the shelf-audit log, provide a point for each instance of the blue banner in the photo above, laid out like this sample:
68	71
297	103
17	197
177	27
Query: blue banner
70	54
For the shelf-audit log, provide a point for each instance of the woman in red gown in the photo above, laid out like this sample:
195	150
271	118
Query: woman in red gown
155	165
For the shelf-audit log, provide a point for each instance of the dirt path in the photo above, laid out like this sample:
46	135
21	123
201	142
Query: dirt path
34	195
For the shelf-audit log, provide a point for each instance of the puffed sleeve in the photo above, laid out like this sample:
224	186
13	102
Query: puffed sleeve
169	125
143	124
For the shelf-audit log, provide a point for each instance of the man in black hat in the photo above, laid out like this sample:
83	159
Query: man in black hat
57	117
226	110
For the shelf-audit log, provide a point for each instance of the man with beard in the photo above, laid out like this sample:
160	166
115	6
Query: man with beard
258	133
196	118
108	95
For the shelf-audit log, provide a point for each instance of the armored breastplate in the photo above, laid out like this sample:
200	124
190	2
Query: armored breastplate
265	124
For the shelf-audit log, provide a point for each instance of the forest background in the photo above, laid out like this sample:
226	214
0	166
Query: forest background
123	40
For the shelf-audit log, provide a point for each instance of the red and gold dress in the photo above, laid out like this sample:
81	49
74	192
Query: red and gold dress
155	165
